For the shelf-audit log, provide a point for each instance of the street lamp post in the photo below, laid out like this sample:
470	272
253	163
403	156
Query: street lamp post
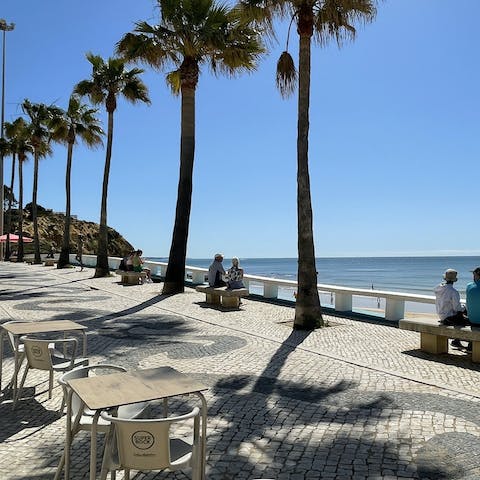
5	27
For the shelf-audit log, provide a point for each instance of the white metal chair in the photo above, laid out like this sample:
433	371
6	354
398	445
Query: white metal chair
41	355
82	418
148	445
18	352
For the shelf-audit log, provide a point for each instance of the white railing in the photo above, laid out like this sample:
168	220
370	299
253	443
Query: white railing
391	304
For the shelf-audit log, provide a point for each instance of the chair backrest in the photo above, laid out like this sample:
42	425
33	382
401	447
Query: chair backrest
11	336
145	444
38	353
83	372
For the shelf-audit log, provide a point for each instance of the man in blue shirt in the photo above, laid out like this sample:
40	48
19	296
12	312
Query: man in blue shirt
473	298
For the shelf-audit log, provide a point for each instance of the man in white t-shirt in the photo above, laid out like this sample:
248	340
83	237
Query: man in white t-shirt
447	301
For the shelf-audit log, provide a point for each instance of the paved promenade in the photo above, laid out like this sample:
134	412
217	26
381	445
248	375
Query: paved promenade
356	400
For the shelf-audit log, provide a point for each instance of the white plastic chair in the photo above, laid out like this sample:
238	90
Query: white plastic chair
18	353
41	355
82	418
147	445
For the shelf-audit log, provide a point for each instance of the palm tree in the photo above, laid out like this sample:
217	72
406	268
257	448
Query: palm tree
109	80
78	121
40	117
320	20
190	34
23	147
5	150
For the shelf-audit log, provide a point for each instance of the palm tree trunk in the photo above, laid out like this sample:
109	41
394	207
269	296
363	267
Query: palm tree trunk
36	241
9	210
175	275
64	259
308	313
20	209
102	269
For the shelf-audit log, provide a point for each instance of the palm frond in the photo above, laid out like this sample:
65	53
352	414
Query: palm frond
174	81
286	75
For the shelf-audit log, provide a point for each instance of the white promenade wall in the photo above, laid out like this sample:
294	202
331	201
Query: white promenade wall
389	305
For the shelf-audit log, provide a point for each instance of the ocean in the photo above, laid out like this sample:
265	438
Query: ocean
398	274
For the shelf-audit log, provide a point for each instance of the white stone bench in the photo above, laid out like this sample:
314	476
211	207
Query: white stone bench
131	278
49	262
434	336
222	296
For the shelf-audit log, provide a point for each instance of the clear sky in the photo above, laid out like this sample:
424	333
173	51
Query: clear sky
394	135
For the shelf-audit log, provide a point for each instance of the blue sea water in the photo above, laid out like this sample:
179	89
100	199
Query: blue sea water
400	274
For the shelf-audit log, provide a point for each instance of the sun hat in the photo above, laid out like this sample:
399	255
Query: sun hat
477	270
450	275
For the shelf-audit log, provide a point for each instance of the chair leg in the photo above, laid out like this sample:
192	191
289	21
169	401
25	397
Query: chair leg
50	385
20	387
60	467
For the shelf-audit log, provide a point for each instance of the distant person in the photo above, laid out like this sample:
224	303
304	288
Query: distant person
216	271
51	253
123	262
473	298
129	261
235	275
79	255
138	262
447	302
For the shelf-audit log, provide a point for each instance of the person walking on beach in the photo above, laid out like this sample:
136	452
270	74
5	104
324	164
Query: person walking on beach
447	302
215	272
78	256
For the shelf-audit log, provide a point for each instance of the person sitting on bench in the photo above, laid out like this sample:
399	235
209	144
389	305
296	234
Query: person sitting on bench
216	271
447	302
235	275
137	262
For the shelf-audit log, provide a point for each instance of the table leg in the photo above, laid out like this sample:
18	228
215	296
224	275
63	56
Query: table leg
93	446
2	333
84	343
17	367
68	437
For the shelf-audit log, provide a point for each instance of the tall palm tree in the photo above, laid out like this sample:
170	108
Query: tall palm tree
190	33
109	80
40	117
78	121
5	150
23	147
319	20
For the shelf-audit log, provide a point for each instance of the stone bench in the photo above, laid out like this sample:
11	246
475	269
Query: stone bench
222	296
49	262
131	278
434	336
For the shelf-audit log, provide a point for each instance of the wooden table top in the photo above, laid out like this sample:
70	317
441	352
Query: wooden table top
123	388
25	328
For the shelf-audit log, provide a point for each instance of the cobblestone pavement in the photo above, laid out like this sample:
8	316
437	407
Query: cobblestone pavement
356	400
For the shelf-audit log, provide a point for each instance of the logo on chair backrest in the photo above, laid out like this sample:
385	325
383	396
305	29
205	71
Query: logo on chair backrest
36	351
143	440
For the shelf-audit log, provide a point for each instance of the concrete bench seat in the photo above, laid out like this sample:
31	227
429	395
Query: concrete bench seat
49	262
131	278
434	335
222	296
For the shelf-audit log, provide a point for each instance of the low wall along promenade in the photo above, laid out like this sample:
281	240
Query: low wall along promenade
392	306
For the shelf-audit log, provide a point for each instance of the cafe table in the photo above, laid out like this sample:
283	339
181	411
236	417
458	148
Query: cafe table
109	391
17	329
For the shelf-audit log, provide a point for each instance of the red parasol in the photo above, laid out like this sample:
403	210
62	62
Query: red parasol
14	238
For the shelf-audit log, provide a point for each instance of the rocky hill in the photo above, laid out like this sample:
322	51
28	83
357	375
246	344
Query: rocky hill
50	229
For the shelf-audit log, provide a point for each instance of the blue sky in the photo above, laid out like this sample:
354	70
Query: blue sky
394	136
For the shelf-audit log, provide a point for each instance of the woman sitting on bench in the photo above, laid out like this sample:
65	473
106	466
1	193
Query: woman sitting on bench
235	275
138	265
